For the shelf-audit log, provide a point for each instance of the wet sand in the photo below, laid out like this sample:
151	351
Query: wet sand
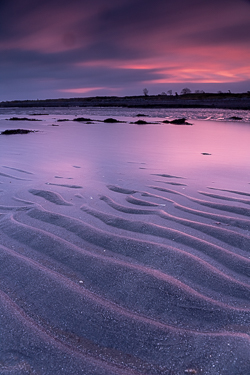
112	264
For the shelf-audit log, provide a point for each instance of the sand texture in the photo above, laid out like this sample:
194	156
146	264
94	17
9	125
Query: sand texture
112	264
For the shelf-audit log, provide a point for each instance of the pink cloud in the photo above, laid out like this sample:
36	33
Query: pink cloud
82	90
88	46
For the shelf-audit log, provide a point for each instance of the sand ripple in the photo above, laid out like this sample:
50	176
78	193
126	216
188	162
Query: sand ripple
137	283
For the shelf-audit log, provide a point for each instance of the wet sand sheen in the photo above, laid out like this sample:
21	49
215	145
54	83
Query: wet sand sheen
131	279
158	294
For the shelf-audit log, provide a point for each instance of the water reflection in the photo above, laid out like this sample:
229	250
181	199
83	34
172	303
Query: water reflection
98	152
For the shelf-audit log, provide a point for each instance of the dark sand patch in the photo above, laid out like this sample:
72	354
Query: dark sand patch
140	202
172	183
165	175
51	197
14	208
121	190
79	196
65	185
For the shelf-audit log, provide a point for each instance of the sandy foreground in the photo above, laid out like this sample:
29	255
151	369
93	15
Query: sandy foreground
121	254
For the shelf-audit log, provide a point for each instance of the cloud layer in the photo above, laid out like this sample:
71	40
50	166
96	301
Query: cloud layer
94	47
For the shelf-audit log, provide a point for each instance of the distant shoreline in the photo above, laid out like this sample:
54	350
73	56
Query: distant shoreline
200	100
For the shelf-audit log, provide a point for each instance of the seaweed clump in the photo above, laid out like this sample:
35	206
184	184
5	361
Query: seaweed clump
111	120
82	119
16	131
178	121
23	119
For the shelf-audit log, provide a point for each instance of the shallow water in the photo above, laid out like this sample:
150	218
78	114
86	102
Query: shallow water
208	151
161	113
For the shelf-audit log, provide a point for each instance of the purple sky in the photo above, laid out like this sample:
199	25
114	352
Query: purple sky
59	48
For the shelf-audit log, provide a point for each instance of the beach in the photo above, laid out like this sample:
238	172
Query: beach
124	245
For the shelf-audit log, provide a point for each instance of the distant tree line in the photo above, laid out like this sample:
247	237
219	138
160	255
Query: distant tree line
187	91
184	91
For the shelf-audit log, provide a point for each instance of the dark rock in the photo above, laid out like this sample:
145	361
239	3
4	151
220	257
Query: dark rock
205	153
111	120
23	119
82	119
141	115
16	131
39	114
179	121
235	118
141	122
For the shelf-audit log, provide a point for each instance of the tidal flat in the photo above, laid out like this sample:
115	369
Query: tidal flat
124	247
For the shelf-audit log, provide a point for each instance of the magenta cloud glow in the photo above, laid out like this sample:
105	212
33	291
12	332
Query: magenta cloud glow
58	48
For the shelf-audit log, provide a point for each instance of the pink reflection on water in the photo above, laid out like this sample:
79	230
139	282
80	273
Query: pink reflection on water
90	154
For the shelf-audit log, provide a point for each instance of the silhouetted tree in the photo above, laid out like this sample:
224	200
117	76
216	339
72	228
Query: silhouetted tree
145	92
170	92
185	91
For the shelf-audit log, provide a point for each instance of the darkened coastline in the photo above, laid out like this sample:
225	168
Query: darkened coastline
201	100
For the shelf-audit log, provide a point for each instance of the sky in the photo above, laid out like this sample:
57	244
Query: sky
81	48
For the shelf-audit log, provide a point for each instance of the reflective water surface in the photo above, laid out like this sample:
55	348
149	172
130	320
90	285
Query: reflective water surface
208	151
